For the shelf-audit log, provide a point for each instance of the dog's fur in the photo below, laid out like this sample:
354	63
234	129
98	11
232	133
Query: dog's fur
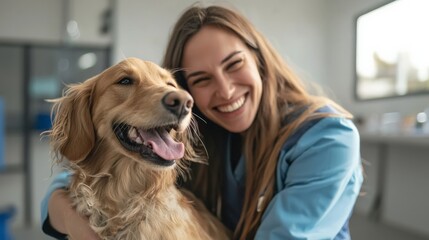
125	194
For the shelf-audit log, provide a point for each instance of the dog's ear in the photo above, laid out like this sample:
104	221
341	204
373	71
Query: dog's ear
73	133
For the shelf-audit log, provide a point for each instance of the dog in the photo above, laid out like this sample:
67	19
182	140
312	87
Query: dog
126	134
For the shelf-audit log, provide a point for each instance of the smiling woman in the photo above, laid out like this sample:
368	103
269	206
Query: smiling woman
268	177
222	75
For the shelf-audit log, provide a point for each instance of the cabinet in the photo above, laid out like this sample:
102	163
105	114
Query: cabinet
397	179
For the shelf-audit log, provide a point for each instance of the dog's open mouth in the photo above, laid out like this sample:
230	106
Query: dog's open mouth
155	145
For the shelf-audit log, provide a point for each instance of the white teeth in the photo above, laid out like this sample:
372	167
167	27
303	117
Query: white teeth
233	106
132	134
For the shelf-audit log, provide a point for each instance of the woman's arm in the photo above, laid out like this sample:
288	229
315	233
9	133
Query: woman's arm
65	219
59	218
58	208
318	181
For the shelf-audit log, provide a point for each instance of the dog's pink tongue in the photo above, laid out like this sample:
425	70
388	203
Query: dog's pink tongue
163	144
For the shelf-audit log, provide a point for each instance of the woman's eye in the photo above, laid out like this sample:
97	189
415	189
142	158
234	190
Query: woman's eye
234	65
125	81
199	81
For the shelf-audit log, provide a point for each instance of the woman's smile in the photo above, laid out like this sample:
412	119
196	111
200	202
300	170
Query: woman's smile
231	107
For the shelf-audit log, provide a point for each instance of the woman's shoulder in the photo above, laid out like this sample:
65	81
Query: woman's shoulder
328	149
334	138
324	127
333	127
335	135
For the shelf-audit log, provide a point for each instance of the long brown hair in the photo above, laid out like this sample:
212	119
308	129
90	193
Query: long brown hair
283	94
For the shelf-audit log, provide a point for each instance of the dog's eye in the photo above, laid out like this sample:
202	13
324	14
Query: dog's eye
125	81
171	84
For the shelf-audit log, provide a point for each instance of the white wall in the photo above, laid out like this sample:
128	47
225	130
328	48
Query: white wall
406	192
30	20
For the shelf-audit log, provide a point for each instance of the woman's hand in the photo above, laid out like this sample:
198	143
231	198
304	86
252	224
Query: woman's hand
66	220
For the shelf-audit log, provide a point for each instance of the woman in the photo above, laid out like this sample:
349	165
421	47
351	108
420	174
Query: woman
284	164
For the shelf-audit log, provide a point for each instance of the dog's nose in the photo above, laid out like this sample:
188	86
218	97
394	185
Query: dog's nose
178	103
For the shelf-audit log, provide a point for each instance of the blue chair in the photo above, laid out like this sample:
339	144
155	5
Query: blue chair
6	213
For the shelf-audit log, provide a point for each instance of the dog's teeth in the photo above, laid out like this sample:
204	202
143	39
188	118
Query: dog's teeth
139	140
132	133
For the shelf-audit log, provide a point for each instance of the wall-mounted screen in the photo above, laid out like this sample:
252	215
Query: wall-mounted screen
392	50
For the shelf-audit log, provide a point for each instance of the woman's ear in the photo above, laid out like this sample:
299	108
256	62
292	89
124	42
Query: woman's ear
73	133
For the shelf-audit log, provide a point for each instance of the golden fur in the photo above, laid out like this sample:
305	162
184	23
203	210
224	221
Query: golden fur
124	195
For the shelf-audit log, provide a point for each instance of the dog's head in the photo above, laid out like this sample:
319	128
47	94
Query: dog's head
134	108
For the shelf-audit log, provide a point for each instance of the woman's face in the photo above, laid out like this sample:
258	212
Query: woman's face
223	78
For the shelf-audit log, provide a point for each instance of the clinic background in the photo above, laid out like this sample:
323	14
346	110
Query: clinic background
46	42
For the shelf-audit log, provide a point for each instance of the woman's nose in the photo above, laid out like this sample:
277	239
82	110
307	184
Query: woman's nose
225	87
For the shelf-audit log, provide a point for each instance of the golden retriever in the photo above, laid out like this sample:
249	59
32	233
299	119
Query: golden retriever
125	134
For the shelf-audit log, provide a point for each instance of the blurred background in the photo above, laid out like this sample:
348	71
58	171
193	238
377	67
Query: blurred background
45	44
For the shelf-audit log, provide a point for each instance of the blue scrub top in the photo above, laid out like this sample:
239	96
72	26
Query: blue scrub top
318	179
